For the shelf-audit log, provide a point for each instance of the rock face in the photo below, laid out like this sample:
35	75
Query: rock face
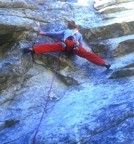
87	104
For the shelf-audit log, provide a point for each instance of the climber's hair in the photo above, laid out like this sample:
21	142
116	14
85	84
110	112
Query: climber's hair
71	25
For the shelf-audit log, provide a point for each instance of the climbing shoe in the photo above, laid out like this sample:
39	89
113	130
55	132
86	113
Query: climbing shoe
26	50
30	51
107	66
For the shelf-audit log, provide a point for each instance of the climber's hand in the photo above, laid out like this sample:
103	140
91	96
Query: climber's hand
42	33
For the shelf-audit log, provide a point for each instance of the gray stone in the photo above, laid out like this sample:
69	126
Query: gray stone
126	72
111	30
99	4
80	102
124	48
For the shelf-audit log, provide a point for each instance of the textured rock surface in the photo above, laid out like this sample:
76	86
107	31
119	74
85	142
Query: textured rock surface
87	104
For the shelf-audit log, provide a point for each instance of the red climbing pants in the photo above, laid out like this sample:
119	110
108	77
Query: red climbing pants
80	51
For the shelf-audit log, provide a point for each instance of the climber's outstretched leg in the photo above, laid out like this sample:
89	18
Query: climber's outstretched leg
80	51
44	48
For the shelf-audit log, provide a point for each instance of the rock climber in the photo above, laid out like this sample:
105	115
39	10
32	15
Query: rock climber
70	41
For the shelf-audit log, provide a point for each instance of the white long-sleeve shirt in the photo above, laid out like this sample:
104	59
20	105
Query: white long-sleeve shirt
63	35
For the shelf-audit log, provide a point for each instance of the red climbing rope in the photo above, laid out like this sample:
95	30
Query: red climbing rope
47	100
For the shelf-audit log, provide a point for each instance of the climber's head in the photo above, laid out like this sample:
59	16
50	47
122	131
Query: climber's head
72	25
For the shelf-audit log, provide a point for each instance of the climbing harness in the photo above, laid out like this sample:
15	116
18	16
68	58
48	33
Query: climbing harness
76	43
65	44
47	99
